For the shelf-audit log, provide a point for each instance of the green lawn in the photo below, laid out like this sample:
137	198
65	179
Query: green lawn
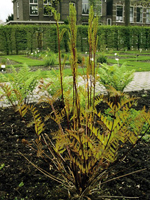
21	59
138	63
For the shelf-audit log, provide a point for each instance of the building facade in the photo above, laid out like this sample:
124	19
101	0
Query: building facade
110	12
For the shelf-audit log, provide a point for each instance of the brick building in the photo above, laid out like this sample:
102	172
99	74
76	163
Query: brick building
111	12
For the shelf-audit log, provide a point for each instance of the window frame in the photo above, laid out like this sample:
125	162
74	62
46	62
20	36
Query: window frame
47	4
122	13
109	19
17	11
132	13
85	14
98	3
148	17
34	4
141	12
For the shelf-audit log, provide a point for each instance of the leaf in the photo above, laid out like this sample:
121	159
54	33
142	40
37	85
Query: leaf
62	33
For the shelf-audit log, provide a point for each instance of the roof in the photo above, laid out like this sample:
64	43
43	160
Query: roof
32	22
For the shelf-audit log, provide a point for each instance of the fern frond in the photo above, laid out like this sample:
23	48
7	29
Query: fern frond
8	93
39	125
22	109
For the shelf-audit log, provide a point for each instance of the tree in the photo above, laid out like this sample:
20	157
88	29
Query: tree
10	17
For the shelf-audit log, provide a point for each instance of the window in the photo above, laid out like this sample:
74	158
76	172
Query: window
33	7
109	21
17	10
109	7
46	4
85	7
131	15
139	16
148	15
119	16
98	7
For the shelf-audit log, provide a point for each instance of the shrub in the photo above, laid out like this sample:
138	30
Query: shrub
4	61
79	57
102	59
50	59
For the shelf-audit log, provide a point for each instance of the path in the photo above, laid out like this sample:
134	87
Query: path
141	81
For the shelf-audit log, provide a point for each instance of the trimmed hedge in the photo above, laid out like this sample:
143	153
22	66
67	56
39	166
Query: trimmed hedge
17	38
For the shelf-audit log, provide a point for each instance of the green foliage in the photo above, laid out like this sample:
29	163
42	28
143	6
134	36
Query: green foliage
115	76
18	88
4	61
102	59
17	39
79	57
83	151
2	166
50	59
53	84
21	184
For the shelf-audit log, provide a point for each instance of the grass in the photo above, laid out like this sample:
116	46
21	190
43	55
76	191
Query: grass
138	63
21	59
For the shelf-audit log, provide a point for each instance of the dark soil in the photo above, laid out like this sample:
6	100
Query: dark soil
20	180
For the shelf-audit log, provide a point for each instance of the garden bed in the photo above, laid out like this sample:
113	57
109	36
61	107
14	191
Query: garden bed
20	180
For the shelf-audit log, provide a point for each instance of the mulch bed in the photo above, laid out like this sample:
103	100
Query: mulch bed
19	179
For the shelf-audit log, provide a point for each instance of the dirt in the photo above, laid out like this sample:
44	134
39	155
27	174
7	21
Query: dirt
20	180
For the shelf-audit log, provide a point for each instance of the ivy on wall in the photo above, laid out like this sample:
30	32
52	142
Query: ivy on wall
17	38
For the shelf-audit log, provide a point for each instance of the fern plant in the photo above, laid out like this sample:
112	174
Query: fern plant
114	76
18	87
84	151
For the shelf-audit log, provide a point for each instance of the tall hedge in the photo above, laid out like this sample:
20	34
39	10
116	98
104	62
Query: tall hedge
17	38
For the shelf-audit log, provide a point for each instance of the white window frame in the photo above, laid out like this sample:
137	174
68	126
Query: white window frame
33	3
141	14
17	10
88	7
147	15
47	3
98	5
117	17
132	17
109	19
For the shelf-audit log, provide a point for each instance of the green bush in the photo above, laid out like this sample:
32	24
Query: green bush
16	39
79	57
50	59
102	59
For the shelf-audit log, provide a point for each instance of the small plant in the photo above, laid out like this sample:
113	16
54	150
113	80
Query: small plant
83	152
21	184
2	166
4	61
115	76
102	59
18	87
54	85
79	57
50	60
